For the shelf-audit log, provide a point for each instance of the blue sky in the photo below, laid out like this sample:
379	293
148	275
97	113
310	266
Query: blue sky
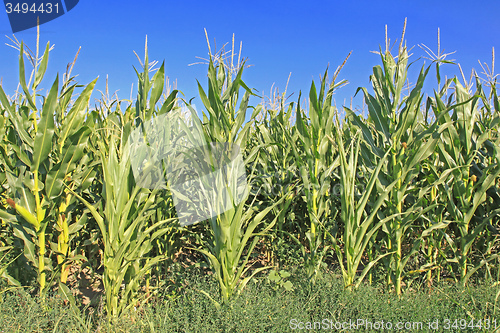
279	37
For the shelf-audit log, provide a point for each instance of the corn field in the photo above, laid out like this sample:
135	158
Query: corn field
404	192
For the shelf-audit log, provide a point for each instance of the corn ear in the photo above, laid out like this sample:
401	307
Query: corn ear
30	218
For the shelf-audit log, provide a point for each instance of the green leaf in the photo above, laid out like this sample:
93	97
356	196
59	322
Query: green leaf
42	68
284	274
169	103
22	79
73	152
29	247
288	285
73	120
45	132
158	82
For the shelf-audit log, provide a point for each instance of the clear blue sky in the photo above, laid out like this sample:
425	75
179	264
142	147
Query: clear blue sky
279	37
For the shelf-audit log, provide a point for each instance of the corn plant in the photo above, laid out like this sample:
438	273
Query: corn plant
396	125
432	245
125	231
277	172
432	170
358	224
46	152
487	245
236	226
315	158
127	216
471	179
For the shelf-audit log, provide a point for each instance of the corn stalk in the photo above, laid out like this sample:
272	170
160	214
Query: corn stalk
235	227
472	181
395	124
358	223
46	152
125	230
315	159
277	171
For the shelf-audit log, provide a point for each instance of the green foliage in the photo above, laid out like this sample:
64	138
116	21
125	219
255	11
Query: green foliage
316	160
39	156
407	196
260	309
278	279
235	228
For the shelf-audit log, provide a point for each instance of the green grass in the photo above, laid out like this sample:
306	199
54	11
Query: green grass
260	308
